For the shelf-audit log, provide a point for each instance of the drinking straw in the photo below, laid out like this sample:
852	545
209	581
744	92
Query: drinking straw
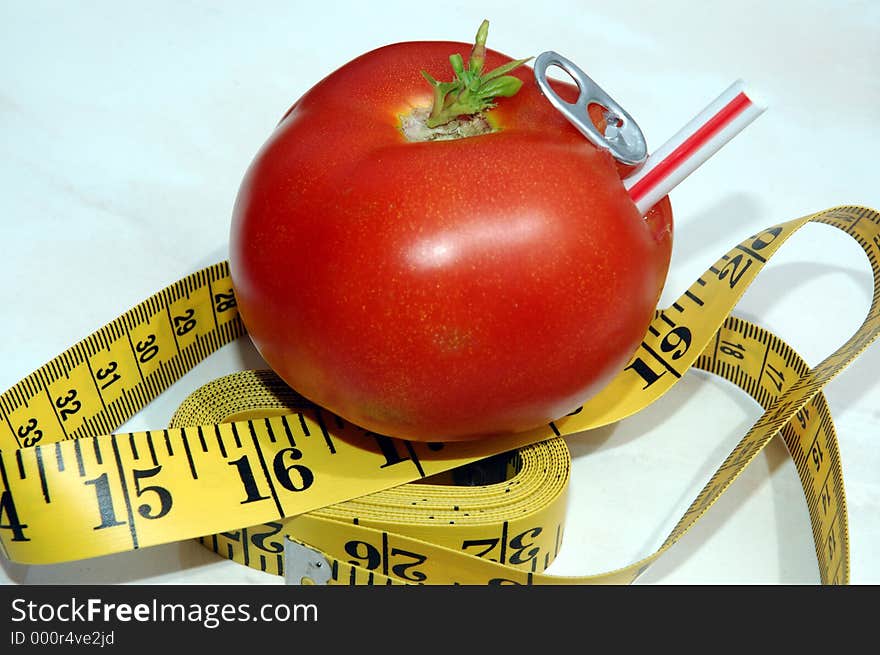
701	138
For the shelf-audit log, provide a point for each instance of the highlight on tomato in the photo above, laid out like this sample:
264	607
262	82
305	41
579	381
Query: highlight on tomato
442	260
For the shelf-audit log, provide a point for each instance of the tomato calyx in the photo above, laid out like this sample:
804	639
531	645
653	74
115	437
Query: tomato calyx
414	126
472	91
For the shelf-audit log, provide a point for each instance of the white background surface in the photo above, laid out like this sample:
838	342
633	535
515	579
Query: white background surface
125	129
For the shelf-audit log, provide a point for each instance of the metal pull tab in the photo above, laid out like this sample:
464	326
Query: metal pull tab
623	138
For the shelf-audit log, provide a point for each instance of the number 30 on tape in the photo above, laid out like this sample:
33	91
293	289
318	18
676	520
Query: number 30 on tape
263	477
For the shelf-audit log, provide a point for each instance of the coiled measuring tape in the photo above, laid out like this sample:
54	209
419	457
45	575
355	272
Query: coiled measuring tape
248	467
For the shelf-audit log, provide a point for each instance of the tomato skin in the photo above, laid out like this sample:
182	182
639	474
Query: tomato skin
441	290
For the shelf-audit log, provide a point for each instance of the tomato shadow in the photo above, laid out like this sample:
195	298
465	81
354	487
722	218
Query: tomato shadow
699	232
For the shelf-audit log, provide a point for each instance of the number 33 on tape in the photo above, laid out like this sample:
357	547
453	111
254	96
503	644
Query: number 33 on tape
259	475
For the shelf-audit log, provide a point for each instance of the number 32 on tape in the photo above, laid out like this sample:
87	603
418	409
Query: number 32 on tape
253	471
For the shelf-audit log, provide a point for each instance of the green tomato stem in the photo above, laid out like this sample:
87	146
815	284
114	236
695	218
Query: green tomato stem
471	92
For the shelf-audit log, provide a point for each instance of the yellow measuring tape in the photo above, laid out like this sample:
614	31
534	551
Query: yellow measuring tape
247	464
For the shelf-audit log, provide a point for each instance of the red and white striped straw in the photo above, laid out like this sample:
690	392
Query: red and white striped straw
701	138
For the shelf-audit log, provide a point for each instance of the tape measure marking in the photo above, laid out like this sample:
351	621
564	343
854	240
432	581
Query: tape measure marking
129	491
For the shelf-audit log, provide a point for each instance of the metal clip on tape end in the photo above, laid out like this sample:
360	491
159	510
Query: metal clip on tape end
623	138
304	565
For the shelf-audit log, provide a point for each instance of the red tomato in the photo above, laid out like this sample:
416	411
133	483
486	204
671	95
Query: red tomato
448	289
